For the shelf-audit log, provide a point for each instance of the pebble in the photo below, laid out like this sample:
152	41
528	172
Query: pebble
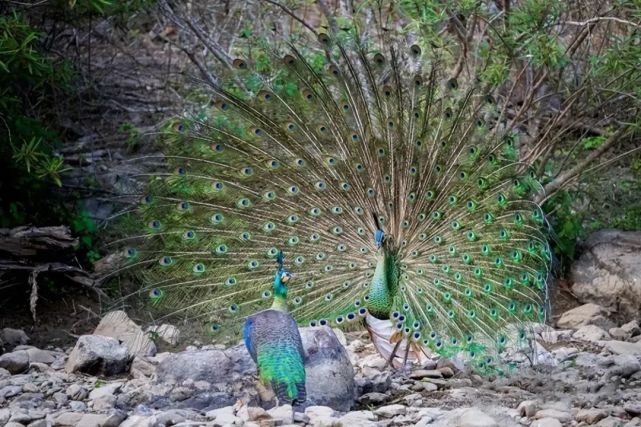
474	417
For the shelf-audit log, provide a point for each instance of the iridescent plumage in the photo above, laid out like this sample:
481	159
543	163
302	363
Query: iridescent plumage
395	189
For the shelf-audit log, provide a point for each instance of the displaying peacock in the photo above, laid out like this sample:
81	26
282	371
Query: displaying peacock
395	189
273	341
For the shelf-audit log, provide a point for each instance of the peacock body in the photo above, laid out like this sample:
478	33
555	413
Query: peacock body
394	188
273	341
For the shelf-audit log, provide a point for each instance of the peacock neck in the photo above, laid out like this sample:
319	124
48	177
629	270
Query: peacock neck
383	285
280	294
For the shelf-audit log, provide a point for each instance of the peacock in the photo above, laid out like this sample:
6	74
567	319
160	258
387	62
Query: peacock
273	341
394	186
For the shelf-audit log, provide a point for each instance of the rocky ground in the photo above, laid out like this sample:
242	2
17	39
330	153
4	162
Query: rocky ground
586	373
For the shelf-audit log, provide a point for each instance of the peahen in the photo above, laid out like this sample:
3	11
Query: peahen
395	188
272	338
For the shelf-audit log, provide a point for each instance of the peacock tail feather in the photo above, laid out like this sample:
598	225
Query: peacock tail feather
314	147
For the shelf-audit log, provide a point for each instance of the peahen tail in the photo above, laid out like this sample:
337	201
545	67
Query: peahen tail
395	189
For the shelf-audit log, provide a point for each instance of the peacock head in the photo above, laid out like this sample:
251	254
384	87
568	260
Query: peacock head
379	238
282	277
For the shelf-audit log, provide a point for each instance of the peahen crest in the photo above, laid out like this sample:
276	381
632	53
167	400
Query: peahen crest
346	149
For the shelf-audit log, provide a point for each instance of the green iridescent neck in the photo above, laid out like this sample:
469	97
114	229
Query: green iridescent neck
280	293
383	285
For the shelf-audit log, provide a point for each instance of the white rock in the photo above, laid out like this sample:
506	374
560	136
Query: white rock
105	390
553	413
391	411
590	333
359	419
546	422
528	408
623	347
474	417
77	392
587	314
591	416
632	328
118	325
619	334
166	332
15	362
285	413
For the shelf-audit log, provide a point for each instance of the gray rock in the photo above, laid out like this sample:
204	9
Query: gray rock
359	419
15	362
168	333
329	373
76	406
320	416
590	333
98	355
619	334
528	408
588	314
624	365
623	347
77	392
610	422
118	325
560	415
283	413
592	415
390	411
37	355
632	328
5	414
13	337
608	272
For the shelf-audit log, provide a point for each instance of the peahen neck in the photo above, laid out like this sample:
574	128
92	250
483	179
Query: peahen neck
383	285
280	294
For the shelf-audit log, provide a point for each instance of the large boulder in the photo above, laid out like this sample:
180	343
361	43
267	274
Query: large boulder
98	355
330	376
609	272
116	324
587	314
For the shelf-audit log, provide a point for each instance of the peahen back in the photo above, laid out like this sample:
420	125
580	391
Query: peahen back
312	146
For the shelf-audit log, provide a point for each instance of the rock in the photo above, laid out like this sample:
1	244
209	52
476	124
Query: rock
373	398
284	413
13	337
528	408
429	387
624	365
610	422
5	414
390	411
553	413
426	373
211	366
329	373
591	416
13	424
116	324
252	413
588	314
381	382
623	347
633	408
608	272
224	416
546	422
77	392
95	354
619	334
15	362
320	416
473	417
358	419
447	372
168	333
632	328
591	333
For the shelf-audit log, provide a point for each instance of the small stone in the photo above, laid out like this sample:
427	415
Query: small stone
76	406
473	417
14	424
68	419
633	408
625	365
37	355
553	413
30	388
546	422
5	414
623	347
528	408
373	398
60	398
224	416
15	362
447	372
429	386
619	334
301	418
590	333
632	328
77	392
10	391
591	416
284	413
321	416
168	333
105	390
426	373
118	325
252	413
390	411
373	361
610	422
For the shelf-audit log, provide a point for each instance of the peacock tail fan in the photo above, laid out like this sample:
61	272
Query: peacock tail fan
310	145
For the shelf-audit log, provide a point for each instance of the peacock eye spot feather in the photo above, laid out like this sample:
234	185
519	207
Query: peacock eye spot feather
131	252
245	236
322	322
199	268
312	323
233	308
165	260
155	224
